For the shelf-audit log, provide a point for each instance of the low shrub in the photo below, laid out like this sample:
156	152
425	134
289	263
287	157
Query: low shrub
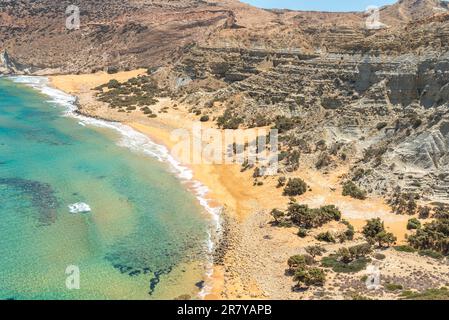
326	237
429	294
302	233
381	125
350	189
404	248
300	261
393	287
379	256
295	187
413	224
334	262
204	118
310	277
431	254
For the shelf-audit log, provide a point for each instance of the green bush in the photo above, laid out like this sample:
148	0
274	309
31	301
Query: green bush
360	250
424	212
404	203
112	69
393	287
285	224
229	120
300	261
113	84
278	215
324	160
204	118
307	218
429	294
350	189
302	233
347	235
334	262
431	254
413	224
295	187
326	237
381	125
281	182
379	256
374	231
315	250
432	236
310	277
404	248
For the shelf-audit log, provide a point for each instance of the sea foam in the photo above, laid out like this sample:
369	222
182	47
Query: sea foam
139	142
79	207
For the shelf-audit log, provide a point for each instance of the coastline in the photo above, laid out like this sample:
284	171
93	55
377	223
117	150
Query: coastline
218	185
70	101
247	270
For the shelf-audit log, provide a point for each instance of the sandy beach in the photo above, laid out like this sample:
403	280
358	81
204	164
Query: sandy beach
256	253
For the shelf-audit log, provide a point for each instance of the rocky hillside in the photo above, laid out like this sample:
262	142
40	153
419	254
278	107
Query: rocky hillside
113	33
373	100
148	33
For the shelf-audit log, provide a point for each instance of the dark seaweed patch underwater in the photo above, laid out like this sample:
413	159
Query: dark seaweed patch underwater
145	237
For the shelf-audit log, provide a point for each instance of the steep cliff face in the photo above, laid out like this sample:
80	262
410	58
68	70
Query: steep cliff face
136	33
7	65
113	33
386	114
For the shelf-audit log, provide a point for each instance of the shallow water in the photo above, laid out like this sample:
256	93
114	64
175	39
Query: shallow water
145	238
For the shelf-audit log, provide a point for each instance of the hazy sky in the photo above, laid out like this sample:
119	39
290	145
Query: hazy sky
319	5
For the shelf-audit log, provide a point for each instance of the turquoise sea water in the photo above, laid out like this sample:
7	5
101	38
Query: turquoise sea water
145	238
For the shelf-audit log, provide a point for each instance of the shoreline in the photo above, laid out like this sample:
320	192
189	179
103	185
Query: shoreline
183	173
246	206
222	181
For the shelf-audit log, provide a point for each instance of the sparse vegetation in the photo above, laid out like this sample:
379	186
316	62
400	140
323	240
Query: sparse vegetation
315	251
281	182
429	294
301	266
310	277
404	203
278	215
413	224
432	236
229	120
404	248
300	261
393	287
127	96
374	232
304	217
204	118
295	187
381	125
350	189
431	254
348	260
326	237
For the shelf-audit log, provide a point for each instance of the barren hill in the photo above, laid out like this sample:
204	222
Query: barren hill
130	34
